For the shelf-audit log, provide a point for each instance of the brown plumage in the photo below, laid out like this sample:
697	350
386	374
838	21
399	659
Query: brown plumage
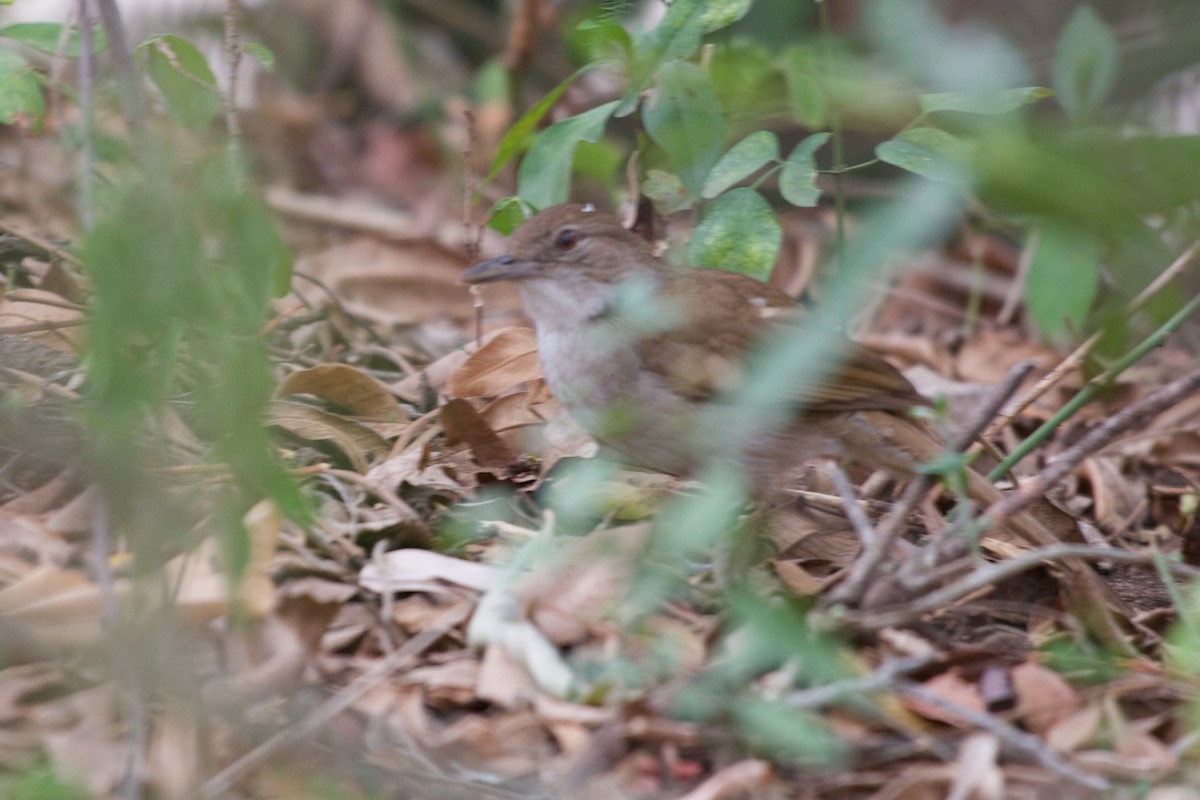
642	376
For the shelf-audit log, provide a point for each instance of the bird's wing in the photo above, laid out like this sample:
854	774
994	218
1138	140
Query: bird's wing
727	315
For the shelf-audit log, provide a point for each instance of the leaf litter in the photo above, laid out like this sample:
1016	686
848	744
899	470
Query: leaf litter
435	633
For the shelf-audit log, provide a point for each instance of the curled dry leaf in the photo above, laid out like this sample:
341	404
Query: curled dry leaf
40	315
392	284
413	570
976	774
506	361
953	688
498	621
464	425
203	592
358	443
1073	731
345	386
736	780
409	467
1043	696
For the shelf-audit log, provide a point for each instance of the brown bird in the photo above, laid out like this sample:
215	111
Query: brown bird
640	353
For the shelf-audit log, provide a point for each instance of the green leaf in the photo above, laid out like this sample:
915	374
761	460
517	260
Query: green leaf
260	53
744	158
676	36
518	135
738	232
798	180
929	152
684	117
991	102
507	213
787	734
722	13
1085	63
182	75
666	191
1064	274
600	37
806	96
21	100
44	37
544	178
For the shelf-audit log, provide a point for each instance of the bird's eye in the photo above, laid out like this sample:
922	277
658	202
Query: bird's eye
566	239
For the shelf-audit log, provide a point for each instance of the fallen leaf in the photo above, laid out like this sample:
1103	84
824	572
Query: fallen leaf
413	570
462	424
358	443
506	361
736	780
345	386
1043	696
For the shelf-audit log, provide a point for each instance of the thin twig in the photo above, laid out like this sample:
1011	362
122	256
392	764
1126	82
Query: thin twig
221	784
890	527
233	58
1093	387
1076	358
45	244
127	79
991	574
850	505
882	679
1012	736
1129	417
87	96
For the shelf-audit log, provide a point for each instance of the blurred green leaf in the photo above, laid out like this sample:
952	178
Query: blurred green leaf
1063	277
930	153
1103	181
744	158
806	96
599	36
684	117
1085	63
260	53
798	180
738	231
521	130
721	13
182	74
748	83
21	98
507	213
544	178
668	194
676	36
990	102
44	37
787	734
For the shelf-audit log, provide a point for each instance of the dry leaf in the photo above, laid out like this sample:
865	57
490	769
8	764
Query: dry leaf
1074	730
1043	696
412	570
736	780
202	583
408	467
39	315
358	443
462	424
949	686
506	361
345	386
977	776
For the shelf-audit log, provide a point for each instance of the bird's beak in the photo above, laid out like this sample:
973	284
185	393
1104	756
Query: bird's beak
501	268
